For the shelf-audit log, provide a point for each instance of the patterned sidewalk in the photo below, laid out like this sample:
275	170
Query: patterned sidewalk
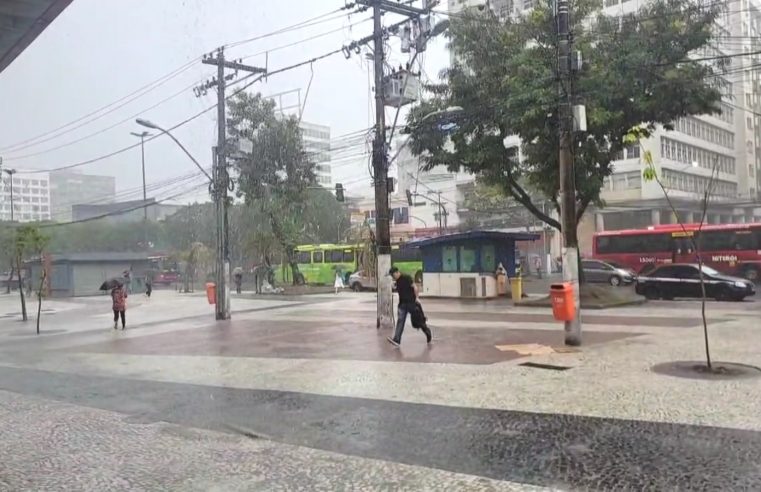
336	396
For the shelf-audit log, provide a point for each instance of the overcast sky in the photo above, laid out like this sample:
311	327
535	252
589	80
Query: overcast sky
98	51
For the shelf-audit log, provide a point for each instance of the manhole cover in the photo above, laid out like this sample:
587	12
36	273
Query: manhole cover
32	332
692	369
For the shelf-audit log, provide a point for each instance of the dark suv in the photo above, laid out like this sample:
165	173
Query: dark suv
683	280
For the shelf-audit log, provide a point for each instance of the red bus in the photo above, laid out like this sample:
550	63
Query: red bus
733	249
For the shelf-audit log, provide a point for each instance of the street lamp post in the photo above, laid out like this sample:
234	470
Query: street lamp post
142	136
10	173
219	192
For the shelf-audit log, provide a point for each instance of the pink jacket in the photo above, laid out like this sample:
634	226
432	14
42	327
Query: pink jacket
119	296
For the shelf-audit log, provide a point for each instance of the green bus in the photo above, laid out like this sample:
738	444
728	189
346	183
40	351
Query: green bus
318	263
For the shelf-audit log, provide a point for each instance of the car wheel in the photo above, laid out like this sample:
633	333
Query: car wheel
652	293
356	287
723	295
751	273
614	280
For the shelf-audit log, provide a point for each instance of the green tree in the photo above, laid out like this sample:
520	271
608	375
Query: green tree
636	73
276	175
29	242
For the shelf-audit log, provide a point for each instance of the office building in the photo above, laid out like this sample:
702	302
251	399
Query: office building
317	145
69	188
30	196
124	212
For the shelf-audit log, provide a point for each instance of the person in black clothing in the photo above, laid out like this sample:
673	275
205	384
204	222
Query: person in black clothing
408	304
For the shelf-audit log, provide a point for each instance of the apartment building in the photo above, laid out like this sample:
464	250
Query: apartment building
25	196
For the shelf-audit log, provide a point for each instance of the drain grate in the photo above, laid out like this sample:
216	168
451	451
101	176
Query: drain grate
545	366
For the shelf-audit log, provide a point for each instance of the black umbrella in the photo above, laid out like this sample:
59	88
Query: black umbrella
111	283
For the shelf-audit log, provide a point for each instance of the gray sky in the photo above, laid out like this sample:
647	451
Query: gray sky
99	51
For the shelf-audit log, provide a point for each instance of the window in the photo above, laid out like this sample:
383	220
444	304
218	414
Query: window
468	259
317	257
594	265
303	257
348	257
747	240
449	259
632	152
488	258
665	271
634	243
685	271
335	256
405	254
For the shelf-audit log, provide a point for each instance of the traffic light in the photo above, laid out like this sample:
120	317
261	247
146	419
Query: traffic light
339	192
409	197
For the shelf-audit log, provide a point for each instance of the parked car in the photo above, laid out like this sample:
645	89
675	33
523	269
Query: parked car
166	277
605	271
683	280
359	282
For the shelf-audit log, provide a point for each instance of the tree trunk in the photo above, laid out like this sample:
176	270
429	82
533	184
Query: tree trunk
10	279
24	316
39	297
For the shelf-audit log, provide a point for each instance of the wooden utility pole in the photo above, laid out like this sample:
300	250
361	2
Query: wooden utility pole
221	179
567	180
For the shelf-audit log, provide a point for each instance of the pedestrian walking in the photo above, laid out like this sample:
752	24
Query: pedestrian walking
148	286
408	304
339	282
128	280
119	299
238	279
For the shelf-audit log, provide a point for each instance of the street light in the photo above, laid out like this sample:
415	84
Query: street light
142	136
154	126
219	194
11	172
451	110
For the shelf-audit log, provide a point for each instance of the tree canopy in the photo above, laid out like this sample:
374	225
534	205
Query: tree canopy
636	73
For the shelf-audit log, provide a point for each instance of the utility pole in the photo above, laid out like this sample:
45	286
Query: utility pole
567	181
10	173
384	315
220	175
384	312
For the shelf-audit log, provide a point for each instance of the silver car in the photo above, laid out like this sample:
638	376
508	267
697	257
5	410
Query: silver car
359	282
607	272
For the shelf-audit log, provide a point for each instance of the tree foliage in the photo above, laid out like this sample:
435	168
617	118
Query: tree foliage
635	73
277	177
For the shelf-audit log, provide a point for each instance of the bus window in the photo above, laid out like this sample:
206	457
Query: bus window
317	257
348	257
747	240
405	254
634	243
303	257
335	256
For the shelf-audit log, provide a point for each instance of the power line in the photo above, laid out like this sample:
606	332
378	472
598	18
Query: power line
49	135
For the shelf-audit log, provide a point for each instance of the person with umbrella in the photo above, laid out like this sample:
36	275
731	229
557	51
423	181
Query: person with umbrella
119	303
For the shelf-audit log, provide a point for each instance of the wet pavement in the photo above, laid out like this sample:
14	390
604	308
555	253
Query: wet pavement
565	451
284	398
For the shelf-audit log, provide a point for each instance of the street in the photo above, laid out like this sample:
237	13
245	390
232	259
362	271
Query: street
302	393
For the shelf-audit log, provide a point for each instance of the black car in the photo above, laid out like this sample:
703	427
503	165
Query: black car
683	280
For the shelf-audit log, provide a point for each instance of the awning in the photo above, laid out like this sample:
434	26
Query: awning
21	21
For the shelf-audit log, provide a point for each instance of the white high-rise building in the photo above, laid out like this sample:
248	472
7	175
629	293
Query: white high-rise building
317	144
685	157
31	196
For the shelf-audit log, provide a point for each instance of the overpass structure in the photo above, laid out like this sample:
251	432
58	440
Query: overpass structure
21	21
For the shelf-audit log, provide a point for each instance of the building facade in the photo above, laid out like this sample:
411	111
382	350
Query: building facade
71	188
124	212
25	197
317	144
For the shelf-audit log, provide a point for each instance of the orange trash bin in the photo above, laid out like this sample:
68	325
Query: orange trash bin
211	292
561	295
